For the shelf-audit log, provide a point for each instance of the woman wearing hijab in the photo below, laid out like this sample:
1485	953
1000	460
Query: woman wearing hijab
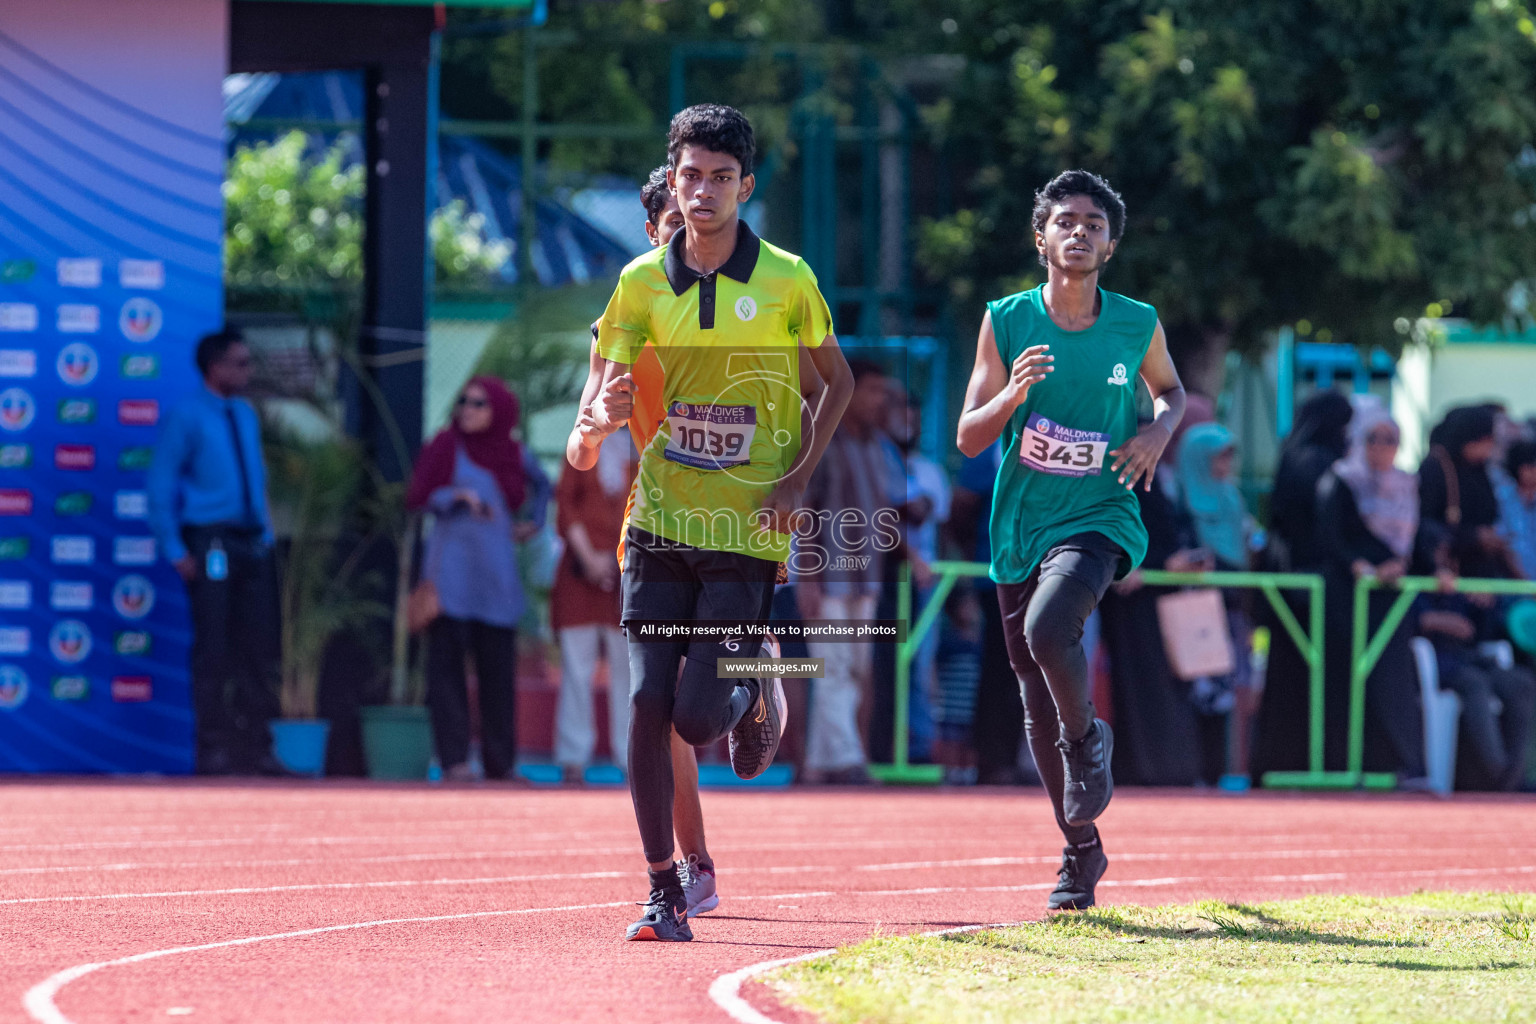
1457	494
1368	515
1317	440
473	478
1222	526
584	604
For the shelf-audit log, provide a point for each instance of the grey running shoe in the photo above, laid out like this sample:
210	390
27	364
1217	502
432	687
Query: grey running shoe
1088	782
1081	868
698	886
755	738
665	919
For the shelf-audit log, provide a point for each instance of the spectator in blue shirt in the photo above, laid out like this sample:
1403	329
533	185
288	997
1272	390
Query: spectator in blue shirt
208	510
1517	506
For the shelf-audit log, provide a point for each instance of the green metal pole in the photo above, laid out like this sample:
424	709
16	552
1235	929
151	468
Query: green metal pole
1316	595
530	155
904	655
1357	677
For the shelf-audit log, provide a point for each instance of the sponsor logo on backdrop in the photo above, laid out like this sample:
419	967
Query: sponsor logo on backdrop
71	596
75	318
80	273
17	410
74	550
15	595
74	456
15	502
133	597
146	274
17	271
138	412
137	457
73	503
15	456
77	411
131	504
14	549
134	551
18	316
140	319
15	640
70	641
139	367
13	687
77	364
71	688
132	689
18	362
133	642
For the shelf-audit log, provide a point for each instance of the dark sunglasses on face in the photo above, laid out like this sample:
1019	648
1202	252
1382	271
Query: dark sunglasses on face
472	403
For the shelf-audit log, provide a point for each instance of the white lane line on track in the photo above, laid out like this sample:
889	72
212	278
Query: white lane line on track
725	991
40	1006
254	890
39	1000
311	886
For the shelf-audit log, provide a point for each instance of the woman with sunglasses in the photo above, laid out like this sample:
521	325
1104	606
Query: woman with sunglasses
474	479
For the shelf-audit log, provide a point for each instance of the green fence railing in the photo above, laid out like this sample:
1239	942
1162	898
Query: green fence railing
1309	641
1366	648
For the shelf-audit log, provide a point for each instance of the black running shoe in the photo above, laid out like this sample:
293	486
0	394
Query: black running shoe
665	918
1081	868
755	738
1088	782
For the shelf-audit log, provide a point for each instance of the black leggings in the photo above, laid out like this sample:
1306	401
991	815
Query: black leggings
665	581
1043	625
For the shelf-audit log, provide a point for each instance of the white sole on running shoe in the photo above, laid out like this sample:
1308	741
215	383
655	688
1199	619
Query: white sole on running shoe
705	906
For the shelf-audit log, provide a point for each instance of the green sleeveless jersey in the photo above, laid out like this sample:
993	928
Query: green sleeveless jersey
1055	480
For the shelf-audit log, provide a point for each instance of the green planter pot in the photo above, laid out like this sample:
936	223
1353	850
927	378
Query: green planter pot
397	741
299	744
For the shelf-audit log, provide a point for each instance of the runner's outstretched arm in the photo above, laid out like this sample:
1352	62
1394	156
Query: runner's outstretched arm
995	390
786	498
1138	456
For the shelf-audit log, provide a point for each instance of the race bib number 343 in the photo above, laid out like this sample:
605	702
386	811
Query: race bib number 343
710	436
1050	447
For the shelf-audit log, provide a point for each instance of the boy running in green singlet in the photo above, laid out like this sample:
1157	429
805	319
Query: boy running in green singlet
1055	377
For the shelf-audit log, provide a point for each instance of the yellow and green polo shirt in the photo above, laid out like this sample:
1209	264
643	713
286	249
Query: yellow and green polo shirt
728	343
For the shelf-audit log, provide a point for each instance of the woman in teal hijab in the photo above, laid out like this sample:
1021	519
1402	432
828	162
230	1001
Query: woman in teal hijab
1222	523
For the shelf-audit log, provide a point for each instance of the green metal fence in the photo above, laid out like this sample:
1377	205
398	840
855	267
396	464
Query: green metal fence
1309	641
1366	648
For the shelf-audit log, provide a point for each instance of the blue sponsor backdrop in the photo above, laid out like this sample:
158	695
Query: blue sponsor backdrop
110	241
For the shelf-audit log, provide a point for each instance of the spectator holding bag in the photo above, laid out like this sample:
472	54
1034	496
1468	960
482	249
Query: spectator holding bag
473	478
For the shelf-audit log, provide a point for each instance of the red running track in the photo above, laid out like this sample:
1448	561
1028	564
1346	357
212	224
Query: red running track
354	902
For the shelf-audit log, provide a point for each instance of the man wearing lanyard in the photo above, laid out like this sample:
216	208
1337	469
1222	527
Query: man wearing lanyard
208	509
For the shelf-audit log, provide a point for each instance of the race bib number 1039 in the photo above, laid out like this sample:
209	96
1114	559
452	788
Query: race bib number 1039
710	436
1049	447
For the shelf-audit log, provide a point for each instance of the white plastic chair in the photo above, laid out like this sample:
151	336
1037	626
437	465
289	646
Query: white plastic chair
1442	716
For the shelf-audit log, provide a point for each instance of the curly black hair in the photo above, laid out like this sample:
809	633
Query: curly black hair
1080	183
714	127
654	194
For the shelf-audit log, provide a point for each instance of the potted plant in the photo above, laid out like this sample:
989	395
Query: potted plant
318	485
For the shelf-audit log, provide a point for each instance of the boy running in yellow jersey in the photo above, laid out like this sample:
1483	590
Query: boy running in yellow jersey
720	483
1055	377
662	220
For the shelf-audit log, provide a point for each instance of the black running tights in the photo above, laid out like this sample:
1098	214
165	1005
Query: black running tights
1043	623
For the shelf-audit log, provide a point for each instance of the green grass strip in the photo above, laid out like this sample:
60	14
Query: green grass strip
1431	957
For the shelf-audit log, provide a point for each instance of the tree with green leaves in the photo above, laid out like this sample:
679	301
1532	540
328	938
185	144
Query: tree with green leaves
1346	166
